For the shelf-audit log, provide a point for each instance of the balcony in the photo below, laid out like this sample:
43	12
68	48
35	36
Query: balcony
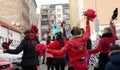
45	7
44	27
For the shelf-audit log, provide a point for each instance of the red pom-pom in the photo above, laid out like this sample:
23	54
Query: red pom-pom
34	29
9	42
90	14
49	27
5	45
40	48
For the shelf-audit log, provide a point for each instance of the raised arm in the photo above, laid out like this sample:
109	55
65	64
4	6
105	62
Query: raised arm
113	27
114	16
87	34
90	15
98	48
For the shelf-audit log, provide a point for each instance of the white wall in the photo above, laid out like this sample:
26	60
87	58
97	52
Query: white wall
59	12
33	7
9	34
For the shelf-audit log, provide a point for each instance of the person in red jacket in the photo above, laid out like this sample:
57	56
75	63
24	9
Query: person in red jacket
108	38
57	44
76	48
49	56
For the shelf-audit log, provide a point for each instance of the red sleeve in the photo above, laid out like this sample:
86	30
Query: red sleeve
113	27
59	52
98	48
52	45
65	39
87	34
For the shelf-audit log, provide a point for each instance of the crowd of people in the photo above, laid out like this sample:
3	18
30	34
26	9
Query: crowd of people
77	49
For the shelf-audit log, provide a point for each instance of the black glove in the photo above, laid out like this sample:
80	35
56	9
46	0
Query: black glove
115	14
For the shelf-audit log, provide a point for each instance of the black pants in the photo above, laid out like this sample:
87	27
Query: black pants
59	64
29	67
103	59
70	68
43	60
50	64
67	59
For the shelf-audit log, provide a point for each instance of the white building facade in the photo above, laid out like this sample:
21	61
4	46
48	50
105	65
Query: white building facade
9	32
32	9
59	13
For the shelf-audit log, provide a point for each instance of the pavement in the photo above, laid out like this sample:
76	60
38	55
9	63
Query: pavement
44	67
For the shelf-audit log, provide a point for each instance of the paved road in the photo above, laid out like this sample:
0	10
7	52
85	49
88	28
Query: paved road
44	67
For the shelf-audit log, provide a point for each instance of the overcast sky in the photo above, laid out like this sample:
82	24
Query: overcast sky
42	2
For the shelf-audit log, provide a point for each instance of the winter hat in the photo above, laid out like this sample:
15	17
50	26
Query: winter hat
114	49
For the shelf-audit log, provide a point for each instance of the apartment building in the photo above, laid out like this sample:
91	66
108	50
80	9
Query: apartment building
54	13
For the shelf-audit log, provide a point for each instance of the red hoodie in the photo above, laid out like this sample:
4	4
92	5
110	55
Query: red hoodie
75	47
105	42
56	45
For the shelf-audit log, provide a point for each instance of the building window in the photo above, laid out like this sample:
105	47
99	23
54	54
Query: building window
11	34
66	10
58	10
53	11
5	39
2	39
46	22
52	17
59	15
44	16
45	11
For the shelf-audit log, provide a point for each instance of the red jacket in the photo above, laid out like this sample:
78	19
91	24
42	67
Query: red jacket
56	45
105	42
75	47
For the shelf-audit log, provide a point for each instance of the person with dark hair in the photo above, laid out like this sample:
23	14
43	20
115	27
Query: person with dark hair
76	48
114	63
49	56
28	46
108	38
57	44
